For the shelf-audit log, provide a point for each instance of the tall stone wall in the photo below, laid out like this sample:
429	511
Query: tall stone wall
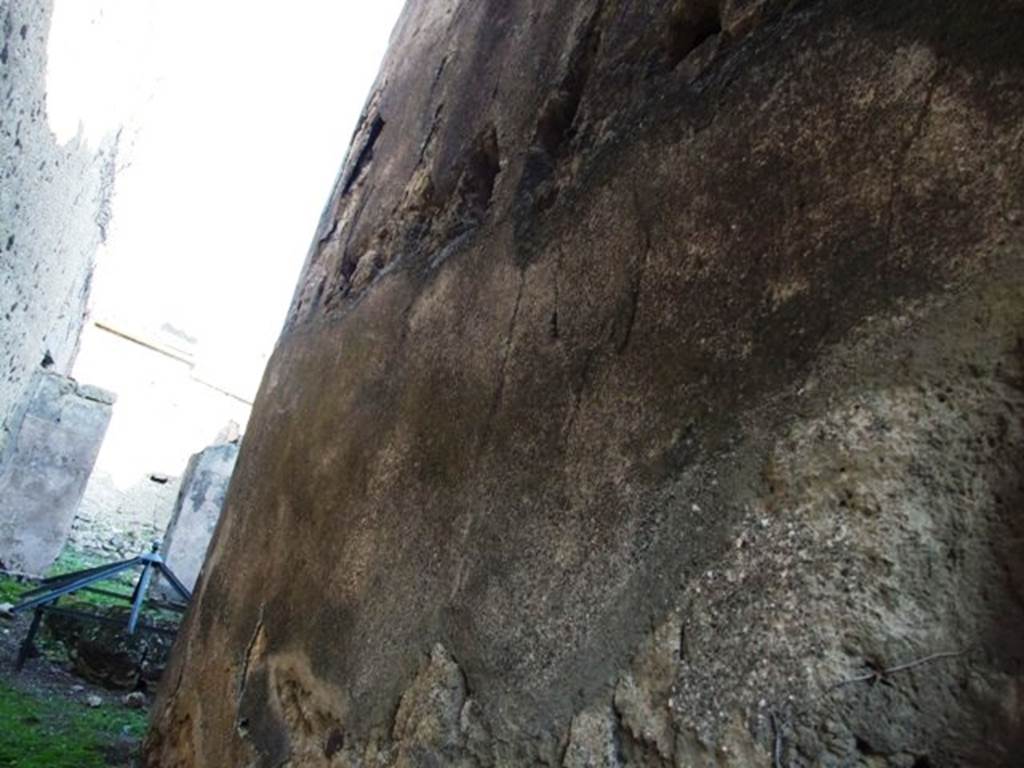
652	396
54	207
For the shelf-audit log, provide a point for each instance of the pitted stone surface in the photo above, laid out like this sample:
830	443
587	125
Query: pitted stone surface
661	362
54	210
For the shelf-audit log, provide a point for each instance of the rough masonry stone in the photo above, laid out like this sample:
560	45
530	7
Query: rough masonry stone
44	470
54	211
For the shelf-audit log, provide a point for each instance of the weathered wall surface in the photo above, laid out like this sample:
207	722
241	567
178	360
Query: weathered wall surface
46	468
204	487
652	396
54	207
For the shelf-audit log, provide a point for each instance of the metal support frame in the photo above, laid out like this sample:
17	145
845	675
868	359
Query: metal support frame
29	642
43	599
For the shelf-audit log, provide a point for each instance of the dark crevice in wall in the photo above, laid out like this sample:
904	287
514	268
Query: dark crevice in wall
334	743
865	748
690	25
427	223
431	132
347	269
557	122
318	297
476	187
365	154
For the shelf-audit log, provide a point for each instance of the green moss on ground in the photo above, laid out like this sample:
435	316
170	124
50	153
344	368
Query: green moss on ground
42	732
71	561
11	589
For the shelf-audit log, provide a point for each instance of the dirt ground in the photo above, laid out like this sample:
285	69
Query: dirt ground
56	715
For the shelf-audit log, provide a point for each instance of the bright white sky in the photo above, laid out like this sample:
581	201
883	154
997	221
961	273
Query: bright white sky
237	115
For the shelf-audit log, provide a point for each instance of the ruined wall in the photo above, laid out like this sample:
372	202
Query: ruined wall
48	463
164	415
652	396
54	208
204	487
115	521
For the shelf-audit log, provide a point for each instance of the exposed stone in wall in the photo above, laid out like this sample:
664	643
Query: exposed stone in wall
652	396
45	469
54	209
197	510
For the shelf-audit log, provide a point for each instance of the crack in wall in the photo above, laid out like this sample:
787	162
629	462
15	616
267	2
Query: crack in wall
578	391
639	271
917	131
553	328
365	156
431	132
506	355
257	644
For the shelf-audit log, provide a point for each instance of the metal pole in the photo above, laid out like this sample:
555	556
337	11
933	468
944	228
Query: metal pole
58	581
27	644
180	588
73	585
139	597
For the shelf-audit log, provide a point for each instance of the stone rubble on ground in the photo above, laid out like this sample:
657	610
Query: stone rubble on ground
134	700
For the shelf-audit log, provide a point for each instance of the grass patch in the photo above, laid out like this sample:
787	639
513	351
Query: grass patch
123	582
57	733
71	561
11	589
